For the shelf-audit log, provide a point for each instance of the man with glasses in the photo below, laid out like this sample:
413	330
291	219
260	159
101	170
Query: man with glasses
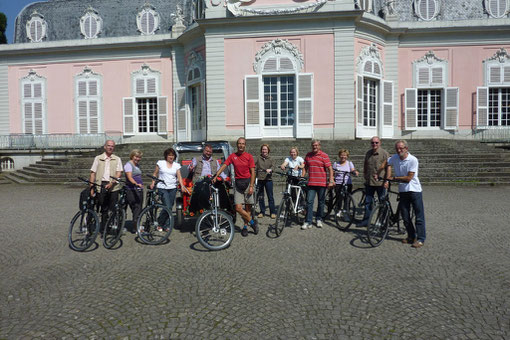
373	167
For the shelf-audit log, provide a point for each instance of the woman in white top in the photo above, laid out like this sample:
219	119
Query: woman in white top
169	172
294	162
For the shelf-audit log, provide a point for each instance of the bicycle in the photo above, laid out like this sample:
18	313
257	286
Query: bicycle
340	201
293	202
215	227
155	222
115	223
383	218
85	224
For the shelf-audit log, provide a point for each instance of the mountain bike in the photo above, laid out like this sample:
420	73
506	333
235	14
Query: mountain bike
293	203
383	218
155	222
115	223
85	224
340	201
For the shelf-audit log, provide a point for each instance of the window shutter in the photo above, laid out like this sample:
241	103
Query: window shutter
286	65
305	106
82	88
204	104
38	119
359	99
252	103
377	69
83	125
506	75
411	113
368	67
37	90
92	88
151	85
140	86
387	103
28	115
180	113
451	112
482	108
423	76
495	75
437	78
94	116
162	116
129	116
270	65
27	90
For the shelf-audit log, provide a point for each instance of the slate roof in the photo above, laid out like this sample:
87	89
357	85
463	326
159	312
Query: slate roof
119	17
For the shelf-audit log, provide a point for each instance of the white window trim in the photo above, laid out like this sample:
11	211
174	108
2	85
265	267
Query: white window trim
88	75
278	49
501	60
430	62
33	78
195	61
93	14
145	73
487	8
370	54
44	27
151	10
418	13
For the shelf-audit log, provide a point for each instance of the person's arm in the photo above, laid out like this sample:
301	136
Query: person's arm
222	174
331	177
384	166
92	179
284	164
179	178
252	180
192	165
220	170
387	175
154	174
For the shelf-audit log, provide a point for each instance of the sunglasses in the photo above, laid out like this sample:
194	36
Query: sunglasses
374	142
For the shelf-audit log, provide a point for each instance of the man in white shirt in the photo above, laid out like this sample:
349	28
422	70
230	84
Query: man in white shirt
405	166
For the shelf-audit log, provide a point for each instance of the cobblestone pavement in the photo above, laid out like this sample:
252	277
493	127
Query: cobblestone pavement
313	284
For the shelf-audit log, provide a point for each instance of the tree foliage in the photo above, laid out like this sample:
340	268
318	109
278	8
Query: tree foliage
3	26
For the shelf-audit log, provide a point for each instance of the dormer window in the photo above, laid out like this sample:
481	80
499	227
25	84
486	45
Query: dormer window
497	8
198	7
36	28
147	20
426	9
91	24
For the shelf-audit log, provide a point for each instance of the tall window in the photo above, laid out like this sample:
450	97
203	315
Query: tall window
499	106
196	107
33	89
279	94
88	102
147	111
370	102
429	108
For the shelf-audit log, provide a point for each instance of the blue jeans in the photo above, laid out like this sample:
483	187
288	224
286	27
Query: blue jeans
168	198
369	198
310	198
415	199
268	185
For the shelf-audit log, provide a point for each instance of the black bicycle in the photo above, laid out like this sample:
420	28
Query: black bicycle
156	221
341	203
293	203
85	224
384	218
115	223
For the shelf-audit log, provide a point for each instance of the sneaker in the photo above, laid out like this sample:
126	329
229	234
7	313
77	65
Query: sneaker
255	226
159	229
319	224
244	232
273	216
305	226
409	241
260	215
417	244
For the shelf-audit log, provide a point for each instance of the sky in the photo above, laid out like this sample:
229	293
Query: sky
11	9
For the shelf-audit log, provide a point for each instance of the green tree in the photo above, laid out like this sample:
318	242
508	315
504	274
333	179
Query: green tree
3	26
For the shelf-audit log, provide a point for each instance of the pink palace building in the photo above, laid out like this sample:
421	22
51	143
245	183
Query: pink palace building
190	70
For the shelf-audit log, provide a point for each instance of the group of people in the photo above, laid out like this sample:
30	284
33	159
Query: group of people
322	175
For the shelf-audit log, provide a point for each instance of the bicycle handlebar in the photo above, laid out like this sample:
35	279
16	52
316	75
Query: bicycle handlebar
89	182
289	175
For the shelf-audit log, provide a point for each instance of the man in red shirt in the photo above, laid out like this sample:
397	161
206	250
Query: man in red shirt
244	171
316	164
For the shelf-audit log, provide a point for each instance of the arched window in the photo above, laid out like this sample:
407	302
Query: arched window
426	9
91	24
147	20
497	8
7	164
36	28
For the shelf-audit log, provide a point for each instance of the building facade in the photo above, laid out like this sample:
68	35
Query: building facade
190	70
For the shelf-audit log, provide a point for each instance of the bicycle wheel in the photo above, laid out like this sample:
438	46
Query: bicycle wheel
358	197
344	215
377	227
330	202
282	216
215	231
302	208
155	224
397	223
113	229
83	230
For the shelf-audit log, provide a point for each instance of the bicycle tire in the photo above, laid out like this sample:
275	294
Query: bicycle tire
179	218
344	216
282	216
83	230
113	228
302	209
377	227
358	196
155	224
212	234
330	202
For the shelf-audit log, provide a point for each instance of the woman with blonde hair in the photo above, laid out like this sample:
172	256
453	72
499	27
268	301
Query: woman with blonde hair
134	184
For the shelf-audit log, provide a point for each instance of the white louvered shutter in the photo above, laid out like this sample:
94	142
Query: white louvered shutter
359	100
162	116
140	86
38	119
506	75
387	103
253	96
482	107
151	86
204	105
411	109
451	111
304	106
83	124
423	76
437	76
28	117
180	111
495	75
129	116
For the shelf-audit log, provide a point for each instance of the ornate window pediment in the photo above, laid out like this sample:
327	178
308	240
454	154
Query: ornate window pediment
146	81
426	9
236	8
278	56
147	20
36	27
91	24
369	62
430	71
497	68
497	8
